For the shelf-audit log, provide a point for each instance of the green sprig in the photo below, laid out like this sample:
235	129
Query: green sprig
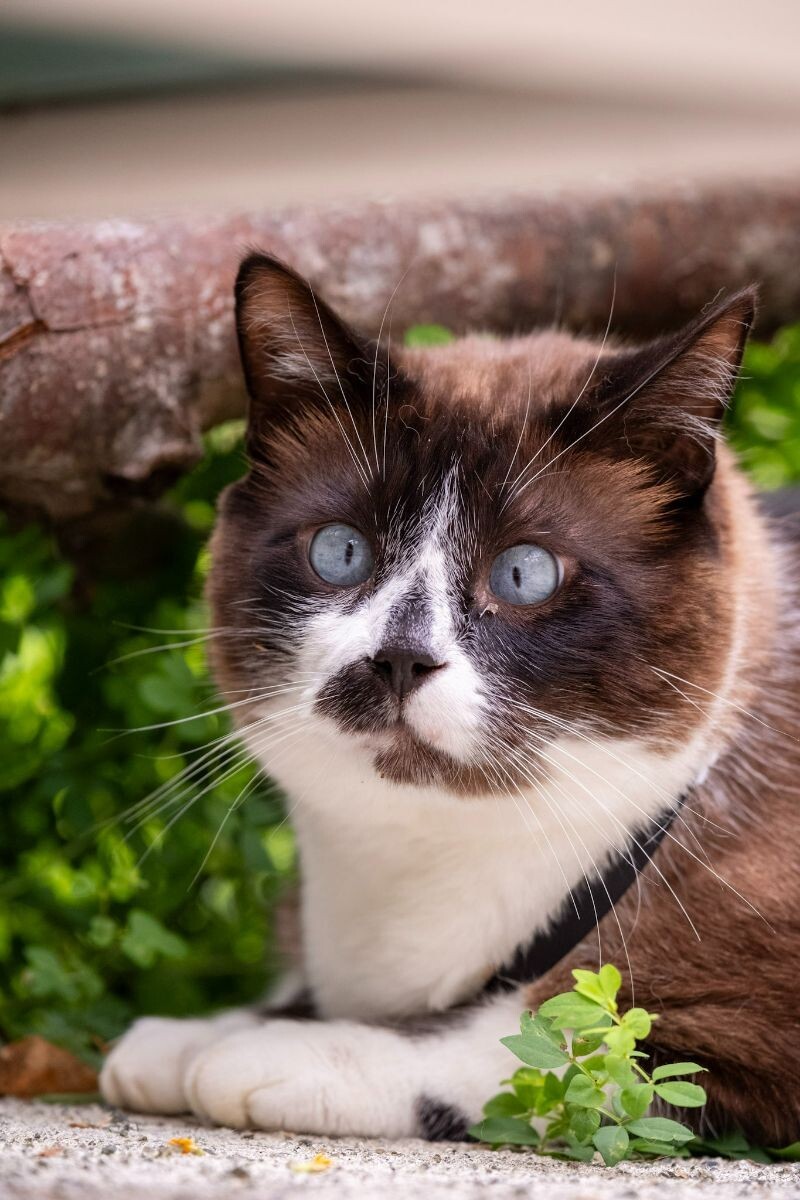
601	1101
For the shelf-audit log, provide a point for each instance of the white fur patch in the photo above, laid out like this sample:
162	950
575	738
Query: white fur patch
338	1077
333	1077
447	712
413	897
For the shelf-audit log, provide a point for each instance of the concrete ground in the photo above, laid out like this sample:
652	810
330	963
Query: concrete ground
88	1152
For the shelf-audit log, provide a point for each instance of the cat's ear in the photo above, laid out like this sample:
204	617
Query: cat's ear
665	401
295	350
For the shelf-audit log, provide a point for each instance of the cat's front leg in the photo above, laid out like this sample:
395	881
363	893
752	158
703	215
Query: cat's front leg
146	1069
345	1077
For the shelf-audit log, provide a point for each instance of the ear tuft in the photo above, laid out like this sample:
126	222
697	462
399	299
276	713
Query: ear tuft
666	401
294	349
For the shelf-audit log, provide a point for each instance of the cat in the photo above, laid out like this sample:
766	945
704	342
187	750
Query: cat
506	622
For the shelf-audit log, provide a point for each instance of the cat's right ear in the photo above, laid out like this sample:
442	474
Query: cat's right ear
296	352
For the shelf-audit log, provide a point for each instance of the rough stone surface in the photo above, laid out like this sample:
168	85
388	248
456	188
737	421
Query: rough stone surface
86	1152
117	345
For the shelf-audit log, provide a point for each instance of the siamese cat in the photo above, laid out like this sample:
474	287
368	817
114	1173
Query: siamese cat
508	625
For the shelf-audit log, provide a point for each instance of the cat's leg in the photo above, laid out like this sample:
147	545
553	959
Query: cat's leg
146	1069
427	1079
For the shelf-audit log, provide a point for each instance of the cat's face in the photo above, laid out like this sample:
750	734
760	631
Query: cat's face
453	558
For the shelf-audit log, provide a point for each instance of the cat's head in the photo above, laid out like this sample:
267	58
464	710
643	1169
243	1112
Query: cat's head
450	558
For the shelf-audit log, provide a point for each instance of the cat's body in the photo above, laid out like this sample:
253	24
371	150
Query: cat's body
458	763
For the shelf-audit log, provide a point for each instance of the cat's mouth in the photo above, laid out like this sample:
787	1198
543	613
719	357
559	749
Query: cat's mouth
408	744
401	756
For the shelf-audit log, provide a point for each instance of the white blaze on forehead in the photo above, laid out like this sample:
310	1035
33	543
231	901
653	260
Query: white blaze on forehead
446	710
436	565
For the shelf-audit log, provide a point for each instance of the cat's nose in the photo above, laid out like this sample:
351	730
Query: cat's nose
403	670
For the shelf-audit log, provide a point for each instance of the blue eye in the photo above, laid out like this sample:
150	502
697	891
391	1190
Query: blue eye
341	555
525	575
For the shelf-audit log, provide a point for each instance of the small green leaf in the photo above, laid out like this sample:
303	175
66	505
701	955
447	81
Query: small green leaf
505	1131
610	981
536	1049
620	1041
638	1021
540	1027
102	931
504	1104
597	1065
670	1070
619	1070
420	336
637	1099
612	1142
788	1153
661	1129
552	1093
145	939
587	1043
579	1153
528	1084
647	1146
588	984
584	1093
572	1011
583	1122
730	1145
682	1094
569	1075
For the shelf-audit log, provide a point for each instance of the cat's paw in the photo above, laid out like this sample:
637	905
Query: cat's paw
145	1070
304	1076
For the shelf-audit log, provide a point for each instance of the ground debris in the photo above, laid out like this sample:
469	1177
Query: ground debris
185	1145
35	1067
312	1166
132	1159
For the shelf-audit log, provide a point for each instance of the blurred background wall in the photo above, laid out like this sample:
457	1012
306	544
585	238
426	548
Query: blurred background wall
162	106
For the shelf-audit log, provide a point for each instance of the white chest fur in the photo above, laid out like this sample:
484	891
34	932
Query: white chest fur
412	898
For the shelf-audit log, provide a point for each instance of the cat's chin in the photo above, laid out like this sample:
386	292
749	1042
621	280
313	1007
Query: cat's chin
400	757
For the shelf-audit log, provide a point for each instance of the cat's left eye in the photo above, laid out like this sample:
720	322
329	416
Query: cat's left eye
341	555
525	575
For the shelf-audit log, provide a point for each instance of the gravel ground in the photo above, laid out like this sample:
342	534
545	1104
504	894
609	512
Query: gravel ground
87	1152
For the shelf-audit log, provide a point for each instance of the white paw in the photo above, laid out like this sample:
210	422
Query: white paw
307	1077
145	1070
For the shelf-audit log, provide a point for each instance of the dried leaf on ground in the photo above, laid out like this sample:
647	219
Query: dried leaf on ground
35	1067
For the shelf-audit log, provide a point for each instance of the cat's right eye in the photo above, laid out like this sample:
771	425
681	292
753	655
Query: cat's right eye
525	575
341	555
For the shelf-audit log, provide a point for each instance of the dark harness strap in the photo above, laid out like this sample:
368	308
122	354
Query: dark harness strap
582	912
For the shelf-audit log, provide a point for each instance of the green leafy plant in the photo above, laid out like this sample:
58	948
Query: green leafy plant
601	1098
764	420
105	910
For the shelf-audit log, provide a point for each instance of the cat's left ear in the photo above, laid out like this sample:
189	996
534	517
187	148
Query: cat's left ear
665	401
296	352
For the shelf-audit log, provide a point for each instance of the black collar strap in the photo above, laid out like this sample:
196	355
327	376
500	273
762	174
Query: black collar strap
581	912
